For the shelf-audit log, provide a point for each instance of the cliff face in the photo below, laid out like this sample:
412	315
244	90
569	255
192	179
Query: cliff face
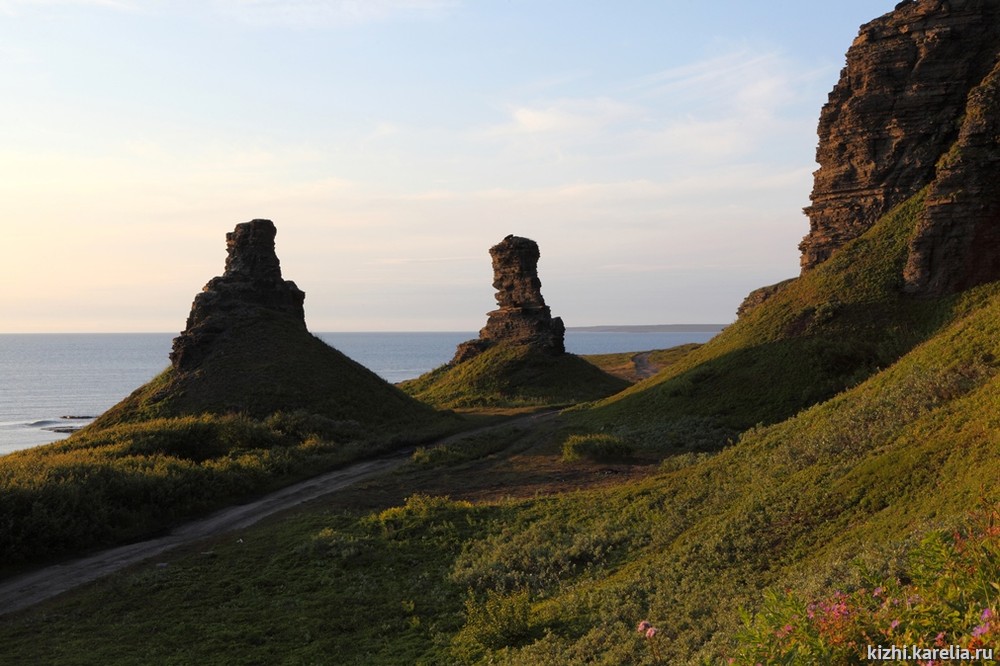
957	242
917	81
523	317
251	285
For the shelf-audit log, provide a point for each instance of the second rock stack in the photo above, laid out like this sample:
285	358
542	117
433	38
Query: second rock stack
522	318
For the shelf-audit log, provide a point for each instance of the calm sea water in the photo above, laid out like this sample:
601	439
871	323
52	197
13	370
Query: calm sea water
56	381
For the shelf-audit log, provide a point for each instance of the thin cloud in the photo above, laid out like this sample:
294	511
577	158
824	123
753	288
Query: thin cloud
564	116
405	261
15	7
708	112
325	13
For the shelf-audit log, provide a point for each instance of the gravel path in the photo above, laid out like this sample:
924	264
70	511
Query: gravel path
643	368
29	589
32	588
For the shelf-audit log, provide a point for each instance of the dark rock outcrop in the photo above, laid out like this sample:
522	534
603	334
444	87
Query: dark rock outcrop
250	287
957	241
759	296
897	109
523	317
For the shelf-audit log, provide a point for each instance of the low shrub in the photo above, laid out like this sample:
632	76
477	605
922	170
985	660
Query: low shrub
493	622
947	601
596	447
104	486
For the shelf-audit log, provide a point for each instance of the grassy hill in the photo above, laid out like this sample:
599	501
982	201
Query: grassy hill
271	405
857	502
268	366
512	375
818	335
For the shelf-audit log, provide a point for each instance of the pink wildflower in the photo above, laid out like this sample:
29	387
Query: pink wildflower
981	630
877	592
987	614
643	627
651	632
939	639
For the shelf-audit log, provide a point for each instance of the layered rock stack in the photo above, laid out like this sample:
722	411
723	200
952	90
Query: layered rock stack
523	317
250	287
915	104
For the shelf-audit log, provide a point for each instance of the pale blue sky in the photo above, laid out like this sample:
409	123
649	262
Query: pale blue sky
659	152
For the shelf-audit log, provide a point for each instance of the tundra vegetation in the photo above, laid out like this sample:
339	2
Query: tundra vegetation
820	475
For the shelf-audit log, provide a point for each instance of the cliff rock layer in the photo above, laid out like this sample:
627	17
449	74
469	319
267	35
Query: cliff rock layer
250	286
523	317
957	242
902	102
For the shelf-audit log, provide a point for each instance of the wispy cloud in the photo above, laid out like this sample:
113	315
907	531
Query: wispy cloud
712	111
325	13
564	116
14	7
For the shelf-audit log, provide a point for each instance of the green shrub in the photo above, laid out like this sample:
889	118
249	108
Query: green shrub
595	447
496	621
125	481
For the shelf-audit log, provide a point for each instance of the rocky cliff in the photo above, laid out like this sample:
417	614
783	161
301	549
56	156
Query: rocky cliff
250	286
957	242
916	104
523	317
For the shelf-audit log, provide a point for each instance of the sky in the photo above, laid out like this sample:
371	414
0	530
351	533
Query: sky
659	152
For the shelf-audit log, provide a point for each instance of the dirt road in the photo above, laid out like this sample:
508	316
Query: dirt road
35	587
32	588
643	368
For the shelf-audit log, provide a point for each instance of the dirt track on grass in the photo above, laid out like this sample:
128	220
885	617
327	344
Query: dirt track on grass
643	368
32	588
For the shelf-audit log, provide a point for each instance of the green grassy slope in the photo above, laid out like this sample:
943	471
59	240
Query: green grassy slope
270	406
827	500
818	335
623	364
271	366
513	376
878	423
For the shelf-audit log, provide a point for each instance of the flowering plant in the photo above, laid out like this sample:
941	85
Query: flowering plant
649	632
950	598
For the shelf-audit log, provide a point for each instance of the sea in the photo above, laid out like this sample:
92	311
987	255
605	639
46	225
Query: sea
51	384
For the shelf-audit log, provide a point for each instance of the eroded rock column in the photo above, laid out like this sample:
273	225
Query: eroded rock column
250	287
522	316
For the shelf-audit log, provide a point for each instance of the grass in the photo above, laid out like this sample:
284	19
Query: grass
595	447
507	375
124	482
847	486
817	336
623	365
275	366
871	438
271	406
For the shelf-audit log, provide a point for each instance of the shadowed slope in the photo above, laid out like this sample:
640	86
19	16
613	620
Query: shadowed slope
813	337
519	358
246	350
270	366
511	375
